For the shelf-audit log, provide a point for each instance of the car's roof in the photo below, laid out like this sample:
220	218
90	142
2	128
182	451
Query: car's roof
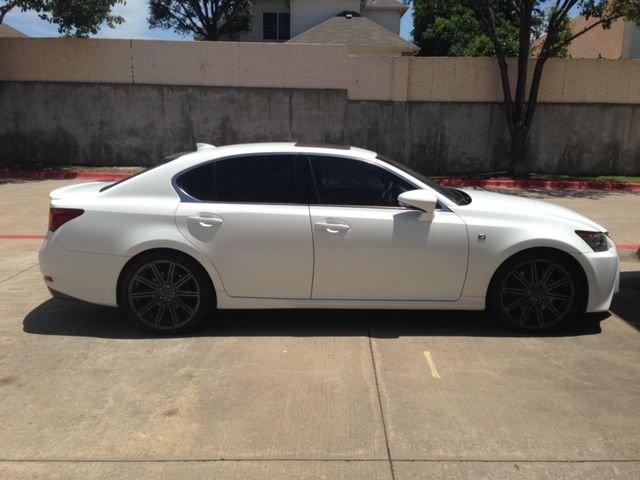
283	147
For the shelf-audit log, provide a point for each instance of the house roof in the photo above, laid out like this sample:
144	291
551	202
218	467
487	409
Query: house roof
384	5
597	43
9	31
359	34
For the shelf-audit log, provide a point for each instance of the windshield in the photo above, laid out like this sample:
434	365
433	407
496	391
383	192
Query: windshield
456	196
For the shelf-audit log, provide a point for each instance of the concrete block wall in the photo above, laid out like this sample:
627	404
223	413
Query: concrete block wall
123	102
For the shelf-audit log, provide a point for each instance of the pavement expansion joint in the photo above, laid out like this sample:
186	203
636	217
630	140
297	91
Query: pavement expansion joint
384	423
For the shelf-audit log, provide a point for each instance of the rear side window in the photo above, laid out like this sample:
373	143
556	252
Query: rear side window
257	179
199	183
343	181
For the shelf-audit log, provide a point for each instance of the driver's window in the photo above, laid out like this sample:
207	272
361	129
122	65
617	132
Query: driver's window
344	181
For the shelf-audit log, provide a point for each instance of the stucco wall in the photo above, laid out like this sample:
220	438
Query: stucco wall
117	124
234	64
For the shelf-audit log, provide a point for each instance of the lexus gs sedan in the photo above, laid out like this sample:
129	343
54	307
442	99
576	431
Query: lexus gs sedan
283	225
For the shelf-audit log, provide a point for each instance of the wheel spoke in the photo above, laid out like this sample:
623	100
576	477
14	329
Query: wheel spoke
187	293
521	301
547	274
514	291
146	282
539	314
552	308
559	297
157	274
184	306
148	307
171	272
174	315
158	320
525	314
139	295
519	276
534	272
556	284
182	281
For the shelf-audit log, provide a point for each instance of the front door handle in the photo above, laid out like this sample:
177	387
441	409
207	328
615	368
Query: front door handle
333	227
205	221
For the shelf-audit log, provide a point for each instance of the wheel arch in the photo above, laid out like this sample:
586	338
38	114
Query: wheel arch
172	251
571	260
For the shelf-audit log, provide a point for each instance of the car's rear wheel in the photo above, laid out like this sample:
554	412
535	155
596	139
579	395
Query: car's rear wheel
166	292
537	291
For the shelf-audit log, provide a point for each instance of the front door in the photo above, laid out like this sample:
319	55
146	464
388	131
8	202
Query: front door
367	247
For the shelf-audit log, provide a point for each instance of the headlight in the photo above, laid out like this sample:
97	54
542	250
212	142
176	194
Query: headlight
596	240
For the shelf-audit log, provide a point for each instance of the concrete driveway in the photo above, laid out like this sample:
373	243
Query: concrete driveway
311	394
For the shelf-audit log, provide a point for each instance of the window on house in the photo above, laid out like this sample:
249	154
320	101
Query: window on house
276	26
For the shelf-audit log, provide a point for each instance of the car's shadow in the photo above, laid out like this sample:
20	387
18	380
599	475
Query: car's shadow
626	304
72	318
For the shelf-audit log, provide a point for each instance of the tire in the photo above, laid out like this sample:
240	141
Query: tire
166	292
537	291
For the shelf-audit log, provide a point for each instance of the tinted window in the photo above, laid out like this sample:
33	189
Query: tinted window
270	26
259	179
342	181
198	183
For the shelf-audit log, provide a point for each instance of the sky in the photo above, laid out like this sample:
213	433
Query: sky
135	14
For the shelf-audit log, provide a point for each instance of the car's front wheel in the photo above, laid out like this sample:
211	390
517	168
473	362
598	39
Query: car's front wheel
166	292
537	291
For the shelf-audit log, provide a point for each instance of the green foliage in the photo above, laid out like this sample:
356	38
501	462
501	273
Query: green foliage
202	19
75	18
451	28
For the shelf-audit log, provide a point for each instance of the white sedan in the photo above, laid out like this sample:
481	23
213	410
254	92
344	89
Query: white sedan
282	225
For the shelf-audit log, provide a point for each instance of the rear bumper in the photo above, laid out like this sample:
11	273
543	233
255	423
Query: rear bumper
90	277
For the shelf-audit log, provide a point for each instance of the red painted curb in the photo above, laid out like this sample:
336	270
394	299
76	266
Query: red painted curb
62	175
550	184
21	237
449	181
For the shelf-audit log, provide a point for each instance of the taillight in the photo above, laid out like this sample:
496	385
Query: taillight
60	216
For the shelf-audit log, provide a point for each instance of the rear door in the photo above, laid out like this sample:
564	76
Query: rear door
249	216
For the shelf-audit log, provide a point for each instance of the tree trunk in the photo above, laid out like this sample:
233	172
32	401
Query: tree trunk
518	158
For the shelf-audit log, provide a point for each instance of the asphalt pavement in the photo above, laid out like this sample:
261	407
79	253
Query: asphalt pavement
312	394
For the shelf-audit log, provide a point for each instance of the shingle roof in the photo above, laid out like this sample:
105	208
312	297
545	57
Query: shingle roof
384	5
357	33
9	31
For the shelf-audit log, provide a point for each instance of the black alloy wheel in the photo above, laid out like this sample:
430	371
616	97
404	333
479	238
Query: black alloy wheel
166	293
537	292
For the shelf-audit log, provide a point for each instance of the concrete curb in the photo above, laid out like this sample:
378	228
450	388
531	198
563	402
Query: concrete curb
447	181
548	184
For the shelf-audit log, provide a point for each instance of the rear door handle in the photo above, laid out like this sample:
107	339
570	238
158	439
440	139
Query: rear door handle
333	227
205	221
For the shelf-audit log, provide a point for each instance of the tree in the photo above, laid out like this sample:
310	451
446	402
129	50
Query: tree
520	105
75	18
204	19
450	28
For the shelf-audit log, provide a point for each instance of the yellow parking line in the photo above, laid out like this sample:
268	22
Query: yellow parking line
432	365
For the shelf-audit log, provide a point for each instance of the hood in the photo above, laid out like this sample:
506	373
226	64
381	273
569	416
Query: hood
511	205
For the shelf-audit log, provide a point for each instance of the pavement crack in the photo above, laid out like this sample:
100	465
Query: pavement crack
4	280
384	423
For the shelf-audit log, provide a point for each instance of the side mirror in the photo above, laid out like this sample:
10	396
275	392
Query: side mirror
424	200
